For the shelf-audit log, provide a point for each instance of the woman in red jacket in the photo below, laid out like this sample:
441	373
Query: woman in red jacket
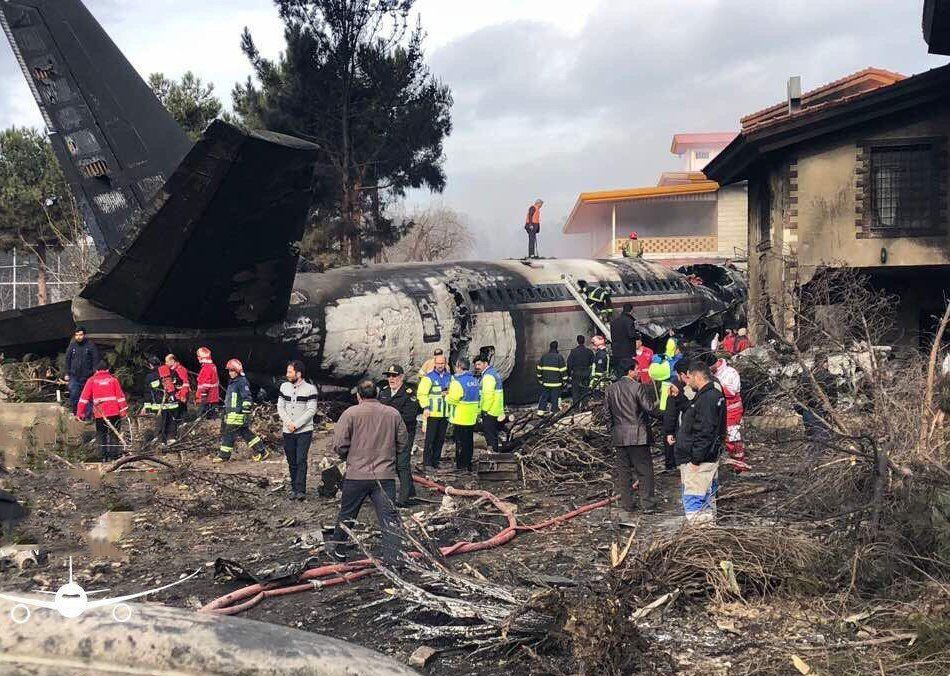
207	394
104	393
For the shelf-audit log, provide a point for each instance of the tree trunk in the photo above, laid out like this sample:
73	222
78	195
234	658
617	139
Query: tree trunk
41	288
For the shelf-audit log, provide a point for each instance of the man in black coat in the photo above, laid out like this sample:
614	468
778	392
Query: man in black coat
579	363
402	397
82	355
676	405
623	334
700	440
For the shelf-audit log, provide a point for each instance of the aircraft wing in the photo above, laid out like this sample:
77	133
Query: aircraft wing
36	603
98	603
217	246
114	140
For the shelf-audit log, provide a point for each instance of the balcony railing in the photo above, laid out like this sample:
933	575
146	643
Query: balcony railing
670	246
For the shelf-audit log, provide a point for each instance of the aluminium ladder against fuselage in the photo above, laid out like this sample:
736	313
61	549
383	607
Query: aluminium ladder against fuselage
579	297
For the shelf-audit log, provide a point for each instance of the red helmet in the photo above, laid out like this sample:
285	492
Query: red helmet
633	235
235	365
204	353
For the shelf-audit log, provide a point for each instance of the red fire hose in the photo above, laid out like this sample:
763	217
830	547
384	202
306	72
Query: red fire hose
340	573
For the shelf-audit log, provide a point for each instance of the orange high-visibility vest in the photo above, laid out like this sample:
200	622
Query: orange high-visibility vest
534	217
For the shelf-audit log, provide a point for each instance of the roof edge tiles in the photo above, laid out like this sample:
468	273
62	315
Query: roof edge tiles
632	194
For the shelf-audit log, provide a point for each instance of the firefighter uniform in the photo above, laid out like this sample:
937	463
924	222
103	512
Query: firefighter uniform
104	393
175	380
464	399
552	376
600	369
492	405
237	414
207	394
598	298
162	406
431	392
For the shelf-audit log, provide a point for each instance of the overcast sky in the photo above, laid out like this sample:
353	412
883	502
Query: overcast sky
552	97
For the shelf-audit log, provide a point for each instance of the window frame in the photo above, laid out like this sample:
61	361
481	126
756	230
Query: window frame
935	146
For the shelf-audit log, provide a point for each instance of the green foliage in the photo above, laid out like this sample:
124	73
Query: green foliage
128	363
354	81
191	102
30	378
35	202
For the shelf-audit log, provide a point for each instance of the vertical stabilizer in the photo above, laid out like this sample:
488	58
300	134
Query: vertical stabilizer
115	141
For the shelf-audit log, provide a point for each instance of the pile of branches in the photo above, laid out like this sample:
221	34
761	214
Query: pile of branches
471	613
879	479
727	563
208	491
571	445
29	379
568	452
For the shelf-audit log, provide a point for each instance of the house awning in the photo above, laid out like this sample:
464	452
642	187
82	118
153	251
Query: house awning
592	209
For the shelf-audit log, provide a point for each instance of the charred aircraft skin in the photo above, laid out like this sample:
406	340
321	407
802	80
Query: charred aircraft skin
351	323
202	250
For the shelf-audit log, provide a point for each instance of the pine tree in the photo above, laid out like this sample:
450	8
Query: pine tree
354	81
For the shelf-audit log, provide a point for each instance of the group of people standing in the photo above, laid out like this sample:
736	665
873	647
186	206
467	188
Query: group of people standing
470	398
375	437
95	393
694	429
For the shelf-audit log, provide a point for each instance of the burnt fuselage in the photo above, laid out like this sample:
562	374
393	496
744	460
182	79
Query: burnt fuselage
351	323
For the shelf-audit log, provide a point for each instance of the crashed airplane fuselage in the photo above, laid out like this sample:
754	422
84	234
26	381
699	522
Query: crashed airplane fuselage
199	243
355	322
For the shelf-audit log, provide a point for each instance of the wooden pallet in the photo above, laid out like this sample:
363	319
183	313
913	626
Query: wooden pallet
498	467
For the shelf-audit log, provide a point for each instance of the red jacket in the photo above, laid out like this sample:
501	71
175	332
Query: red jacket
105	394
729	343
731	385
208	391
742	343
643	363
175	381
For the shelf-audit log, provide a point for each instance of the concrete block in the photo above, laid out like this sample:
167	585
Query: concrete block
39	426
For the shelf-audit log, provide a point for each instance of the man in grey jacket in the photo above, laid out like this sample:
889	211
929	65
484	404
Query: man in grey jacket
296	406
628	406
367	436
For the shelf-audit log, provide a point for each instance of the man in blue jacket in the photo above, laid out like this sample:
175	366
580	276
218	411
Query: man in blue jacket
82	355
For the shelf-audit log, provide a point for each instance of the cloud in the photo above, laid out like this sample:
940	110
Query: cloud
543	111
552	98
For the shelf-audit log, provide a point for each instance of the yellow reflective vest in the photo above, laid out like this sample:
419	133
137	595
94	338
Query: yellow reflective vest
464	399
493	393
431	393
660	372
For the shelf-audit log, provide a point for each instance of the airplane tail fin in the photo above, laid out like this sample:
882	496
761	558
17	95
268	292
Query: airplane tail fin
216	247
114	140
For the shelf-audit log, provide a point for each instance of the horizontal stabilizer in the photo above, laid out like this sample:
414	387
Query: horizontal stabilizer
114	140
44	329
217	245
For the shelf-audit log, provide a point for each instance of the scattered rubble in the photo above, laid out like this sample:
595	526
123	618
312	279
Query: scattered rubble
827	557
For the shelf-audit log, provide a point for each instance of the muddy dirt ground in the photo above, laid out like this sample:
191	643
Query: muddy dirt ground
179	526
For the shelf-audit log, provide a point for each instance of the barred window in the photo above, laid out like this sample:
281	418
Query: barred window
903	187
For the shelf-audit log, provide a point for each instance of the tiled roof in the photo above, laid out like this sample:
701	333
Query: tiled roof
681	178
701	139
832	93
